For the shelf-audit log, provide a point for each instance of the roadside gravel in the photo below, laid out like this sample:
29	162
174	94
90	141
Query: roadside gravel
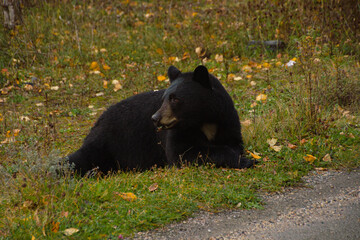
326	207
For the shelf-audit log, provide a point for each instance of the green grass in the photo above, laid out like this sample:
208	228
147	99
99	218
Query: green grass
313	105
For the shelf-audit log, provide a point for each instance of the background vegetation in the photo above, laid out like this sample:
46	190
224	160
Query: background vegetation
69	60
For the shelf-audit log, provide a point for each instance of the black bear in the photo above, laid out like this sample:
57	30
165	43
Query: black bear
194	120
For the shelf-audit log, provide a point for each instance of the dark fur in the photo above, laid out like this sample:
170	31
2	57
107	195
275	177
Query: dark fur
124	137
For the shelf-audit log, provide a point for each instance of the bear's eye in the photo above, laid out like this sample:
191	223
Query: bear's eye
173	99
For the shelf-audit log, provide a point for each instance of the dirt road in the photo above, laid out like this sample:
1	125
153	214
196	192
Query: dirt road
327	207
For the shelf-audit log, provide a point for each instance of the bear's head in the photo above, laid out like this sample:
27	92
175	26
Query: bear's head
189	101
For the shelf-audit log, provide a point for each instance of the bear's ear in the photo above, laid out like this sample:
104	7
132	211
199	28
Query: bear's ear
201	75
173	73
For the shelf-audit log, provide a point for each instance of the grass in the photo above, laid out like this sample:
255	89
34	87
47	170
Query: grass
52	93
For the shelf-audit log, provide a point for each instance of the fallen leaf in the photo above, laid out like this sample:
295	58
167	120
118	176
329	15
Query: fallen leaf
261	97
161	78
55	227
291	146
246	122
266	65
290	63
254	155
327	158
309	158
303	141
106	67
28	87
160	51
127	196
237	78
236	59
185	56
252	83
230	77
99	94
54	88
70	231
16	132
320	169
105	83
153	187
199	51
276	148
219	58
94	66
117	87
32	237
246	68
272	141
64	214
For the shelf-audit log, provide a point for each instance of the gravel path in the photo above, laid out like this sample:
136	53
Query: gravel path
327	207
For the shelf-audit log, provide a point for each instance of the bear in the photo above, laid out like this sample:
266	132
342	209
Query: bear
192	121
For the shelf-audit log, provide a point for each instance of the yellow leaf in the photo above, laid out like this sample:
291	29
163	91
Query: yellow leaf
153	187
185	55
235	59
276	148
309	158
70	231
272	141
106	67
32	237
246	68
278	64
327	158
8	134
105	83
117	87
219	58
230	77
16	132
172	59
94	66
291	146
254	155
266	65
55	227
194	14
161	78
128	196
254	104
160	51
248	76
261	97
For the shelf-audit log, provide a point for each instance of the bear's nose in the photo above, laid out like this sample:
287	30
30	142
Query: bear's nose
156	118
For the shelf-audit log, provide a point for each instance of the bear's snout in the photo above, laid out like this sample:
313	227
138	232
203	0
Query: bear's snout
156	118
